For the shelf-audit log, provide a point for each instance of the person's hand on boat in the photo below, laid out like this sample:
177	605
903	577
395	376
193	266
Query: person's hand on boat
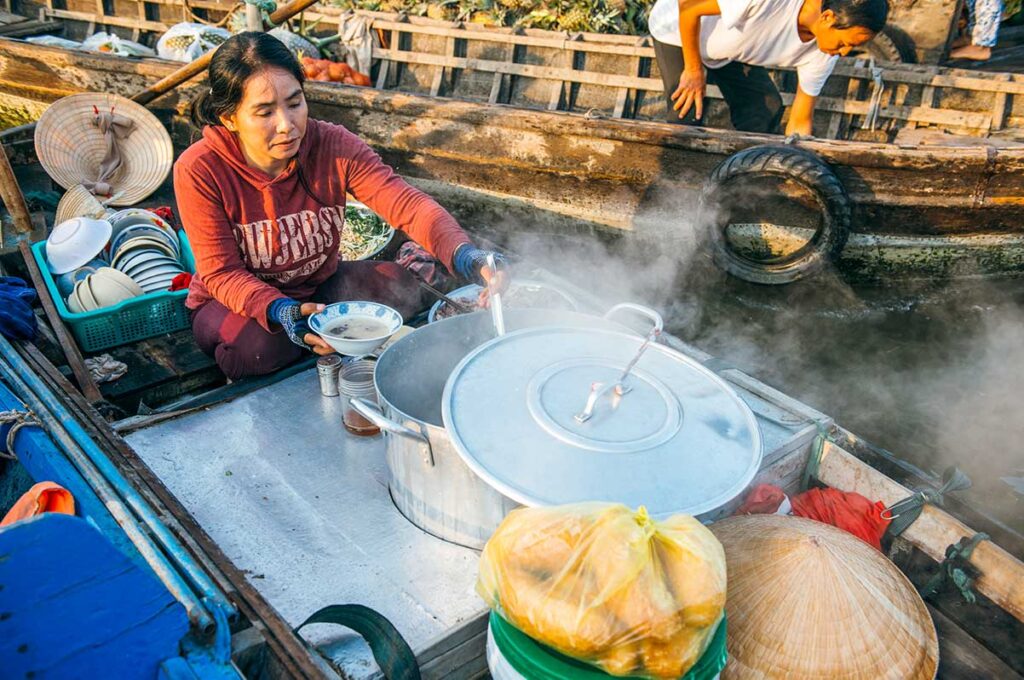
470	263
690	93
496	280
292	317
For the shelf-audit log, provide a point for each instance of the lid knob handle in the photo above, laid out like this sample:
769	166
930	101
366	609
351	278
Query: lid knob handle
619	388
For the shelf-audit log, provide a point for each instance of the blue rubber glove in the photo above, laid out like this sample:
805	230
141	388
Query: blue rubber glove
287	313
469	260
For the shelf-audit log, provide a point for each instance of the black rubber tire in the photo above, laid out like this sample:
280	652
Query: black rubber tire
801	166
888	46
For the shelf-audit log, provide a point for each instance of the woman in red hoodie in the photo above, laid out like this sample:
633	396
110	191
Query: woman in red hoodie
262	199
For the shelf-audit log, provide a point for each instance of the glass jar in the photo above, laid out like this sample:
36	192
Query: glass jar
356	380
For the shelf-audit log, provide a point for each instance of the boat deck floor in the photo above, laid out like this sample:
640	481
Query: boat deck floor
302	507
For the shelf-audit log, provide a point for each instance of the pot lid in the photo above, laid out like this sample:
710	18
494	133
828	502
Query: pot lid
673	437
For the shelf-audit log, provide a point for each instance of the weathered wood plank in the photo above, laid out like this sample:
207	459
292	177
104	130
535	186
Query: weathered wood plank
528	70
961	657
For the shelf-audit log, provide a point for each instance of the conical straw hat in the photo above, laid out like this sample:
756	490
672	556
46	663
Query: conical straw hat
808	600
79	202
70	148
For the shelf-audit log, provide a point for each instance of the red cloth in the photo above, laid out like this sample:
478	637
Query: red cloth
846	510
43	497
258	238
165	213
181	281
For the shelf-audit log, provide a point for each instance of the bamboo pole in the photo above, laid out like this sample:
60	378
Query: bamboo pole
13	199
189	71
1002	575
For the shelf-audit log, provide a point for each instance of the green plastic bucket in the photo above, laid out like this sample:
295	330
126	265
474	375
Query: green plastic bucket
512	655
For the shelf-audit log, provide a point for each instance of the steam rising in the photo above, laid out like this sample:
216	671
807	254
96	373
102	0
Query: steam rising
934	373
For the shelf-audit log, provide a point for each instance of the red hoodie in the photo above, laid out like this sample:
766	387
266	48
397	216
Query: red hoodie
258	238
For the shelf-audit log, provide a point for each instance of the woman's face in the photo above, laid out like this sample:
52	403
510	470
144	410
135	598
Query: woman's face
271	119
838	41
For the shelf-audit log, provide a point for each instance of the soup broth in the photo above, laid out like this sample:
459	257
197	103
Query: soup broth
357	328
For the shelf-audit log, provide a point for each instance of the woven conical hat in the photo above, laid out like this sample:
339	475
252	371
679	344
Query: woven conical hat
70	148
79	202
807	600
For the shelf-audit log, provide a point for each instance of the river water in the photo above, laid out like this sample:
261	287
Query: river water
933	373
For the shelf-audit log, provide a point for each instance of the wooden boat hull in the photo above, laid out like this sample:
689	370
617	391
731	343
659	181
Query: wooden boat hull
923	211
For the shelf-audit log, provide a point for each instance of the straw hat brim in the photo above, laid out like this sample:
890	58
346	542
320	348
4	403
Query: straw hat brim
808	600
79	202
70	148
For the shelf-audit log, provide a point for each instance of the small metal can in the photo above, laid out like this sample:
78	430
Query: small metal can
328	368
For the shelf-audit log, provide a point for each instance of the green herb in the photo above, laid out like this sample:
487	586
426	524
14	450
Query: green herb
364	233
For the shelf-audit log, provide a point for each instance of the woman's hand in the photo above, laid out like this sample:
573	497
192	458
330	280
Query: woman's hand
292	317
315	342
690	93
496	280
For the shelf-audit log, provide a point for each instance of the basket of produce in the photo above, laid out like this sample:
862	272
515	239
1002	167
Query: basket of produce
365	235
607	587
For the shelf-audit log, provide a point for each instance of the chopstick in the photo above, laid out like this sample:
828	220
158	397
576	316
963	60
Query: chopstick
459	307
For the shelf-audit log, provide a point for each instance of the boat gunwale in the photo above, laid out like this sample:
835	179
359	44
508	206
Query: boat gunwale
663	135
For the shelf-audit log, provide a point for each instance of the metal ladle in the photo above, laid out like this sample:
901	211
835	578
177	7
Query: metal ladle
497	313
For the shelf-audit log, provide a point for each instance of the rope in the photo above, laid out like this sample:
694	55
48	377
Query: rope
17	420
877	88
905	512
956	568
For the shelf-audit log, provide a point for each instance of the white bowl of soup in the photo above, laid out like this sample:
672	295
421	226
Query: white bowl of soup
355	328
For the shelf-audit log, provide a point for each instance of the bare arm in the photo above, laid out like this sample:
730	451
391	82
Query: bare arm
692	82
801	114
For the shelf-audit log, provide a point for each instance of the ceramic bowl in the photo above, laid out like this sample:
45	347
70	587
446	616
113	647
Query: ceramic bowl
129	217
74	303
375	321
142	243
152	268
157	271
158	285
146	230
66	281
73	243
109	287
139	258
82	296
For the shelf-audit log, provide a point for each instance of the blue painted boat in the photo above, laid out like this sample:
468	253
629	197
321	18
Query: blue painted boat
79	595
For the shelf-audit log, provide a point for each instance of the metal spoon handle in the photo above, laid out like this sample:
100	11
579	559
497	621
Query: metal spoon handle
497	313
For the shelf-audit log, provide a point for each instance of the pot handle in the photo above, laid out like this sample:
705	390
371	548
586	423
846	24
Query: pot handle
655	318
372	412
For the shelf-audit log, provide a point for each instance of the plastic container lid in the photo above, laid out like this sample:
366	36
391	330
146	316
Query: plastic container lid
536	661
679	440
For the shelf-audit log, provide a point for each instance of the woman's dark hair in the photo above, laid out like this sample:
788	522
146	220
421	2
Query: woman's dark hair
869	14
239	58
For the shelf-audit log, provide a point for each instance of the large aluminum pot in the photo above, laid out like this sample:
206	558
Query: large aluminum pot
429	482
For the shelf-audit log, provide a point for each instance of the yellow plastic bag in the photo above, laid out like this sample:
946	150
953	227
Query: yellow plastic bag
607	585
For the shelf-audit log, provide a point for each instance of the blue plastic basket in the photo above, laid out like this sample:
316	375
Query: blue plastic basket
135	319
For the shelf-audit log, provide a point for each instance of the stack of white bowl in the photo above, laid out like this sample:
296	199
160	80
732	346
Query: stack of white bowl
100	262
144	247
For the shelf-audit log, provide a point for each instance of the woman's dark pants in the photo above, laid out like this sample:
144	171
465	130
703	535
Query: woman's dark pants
754	101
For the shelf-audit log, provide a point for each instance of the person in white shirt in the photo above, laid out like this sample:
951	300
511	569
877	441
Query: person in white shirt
737	39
